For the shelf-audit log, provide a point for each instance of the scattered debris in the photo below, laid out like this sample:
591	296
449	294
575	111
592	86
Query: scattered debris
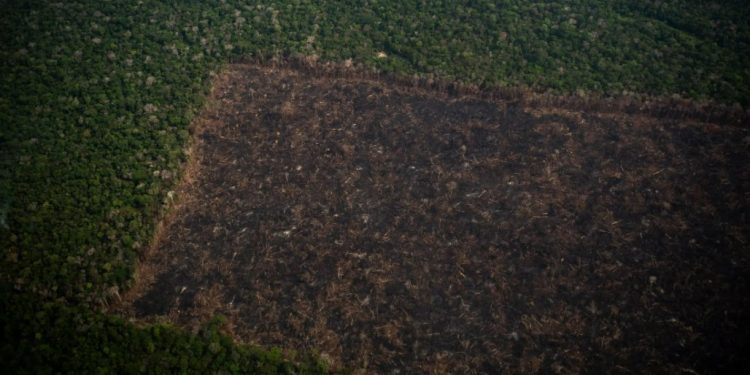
417	239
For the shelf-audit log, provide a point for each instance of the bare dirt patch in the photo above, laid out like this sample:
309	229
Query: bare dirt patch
400	229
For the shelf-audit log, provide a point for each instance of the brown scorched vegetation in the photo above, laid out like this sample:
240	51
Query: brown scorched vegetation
401	228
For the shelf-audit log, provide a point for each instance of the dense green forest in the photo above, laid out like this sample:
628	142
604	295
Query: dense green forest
96	98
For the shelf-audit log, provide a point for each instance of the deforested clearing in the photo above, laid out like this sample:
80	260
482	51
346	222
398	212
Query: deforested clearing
389	227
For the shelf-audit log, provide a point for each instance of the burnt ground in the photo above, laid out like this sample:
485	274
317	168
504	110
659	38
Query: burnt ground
399	229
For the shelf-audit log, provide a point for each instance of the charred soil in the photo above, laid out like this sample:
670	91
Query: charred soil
395	228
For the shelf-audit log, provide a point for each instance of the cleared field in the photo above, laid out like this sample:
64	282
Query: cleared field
398	228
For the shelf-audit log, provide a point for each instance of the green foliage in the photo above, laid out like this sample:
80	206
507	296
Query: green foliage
96	96
56	338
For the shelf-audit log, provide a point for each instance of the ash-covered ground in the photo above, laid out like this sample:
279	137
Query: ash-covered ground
394	229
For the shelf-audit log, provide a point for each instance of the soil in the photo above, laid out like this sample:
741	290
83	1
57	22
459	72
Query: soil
395	229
